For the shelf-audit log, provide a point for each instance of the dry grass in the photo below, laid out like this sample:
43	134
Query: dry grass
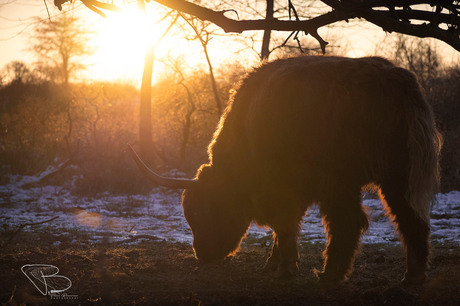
158	272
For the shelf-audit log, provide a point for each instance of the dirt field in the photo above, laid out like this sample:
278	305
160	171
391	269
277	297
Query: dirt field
162	273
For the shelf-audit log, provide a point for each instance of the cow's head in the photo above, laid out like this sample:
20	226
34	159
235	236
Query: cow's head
211	207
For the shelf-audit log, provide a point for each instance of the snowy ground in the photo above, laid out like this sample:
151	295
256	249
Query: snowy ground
159	214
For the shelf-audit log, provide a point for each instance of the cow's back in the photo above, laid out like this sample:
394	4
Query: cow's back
314	121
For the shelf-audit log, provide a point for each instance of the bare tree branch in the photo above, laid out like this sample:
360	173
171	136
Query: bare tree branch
20	228
438	19
45	178
133	238
399	20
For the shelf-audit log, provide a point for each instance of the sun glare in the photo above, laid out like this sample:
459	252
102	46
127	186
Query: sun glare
120	43
121	40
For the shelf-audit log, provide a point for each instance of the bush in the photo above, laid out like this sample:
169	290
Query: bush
45	124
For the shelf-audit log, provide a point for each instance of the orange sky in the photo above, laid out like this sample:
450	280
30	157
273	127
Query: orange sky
118	43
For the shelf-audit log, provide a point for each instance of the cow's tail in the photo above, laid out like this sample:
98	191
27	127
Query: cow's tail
424	143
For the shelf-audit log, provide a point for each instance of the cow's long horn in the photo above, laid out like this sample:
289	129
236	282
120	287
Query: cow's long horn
158	179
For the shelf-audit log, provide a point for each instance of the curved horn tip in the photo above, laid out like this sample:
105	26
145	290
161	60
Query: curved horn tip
157	179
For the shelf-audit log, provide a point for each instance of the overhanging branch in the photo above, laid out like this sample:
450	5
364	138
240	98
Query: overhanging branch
237	26
429	24
442	23
382	19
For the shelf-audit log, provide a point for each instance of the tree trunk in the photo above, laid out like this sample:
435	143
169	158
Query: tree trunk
145	119
265	52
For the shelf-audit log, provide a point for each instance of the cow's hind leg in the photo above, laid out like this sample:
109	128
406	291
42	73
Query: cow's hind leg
414	232
344	221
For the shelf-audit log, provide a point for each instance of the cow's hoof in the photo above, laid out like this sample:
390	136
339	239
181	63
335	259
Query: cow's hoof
411	279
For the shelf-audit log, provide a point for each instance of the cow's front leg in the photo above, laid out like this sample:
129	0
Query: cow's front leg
285	222
344	229
285	253
274	259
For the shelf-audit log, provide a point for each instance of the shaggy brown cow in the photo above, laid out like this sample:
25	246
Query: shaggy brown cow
316	130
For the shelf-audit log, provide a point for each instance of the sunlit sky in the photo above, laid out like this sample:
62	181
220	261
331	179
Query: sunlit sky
120	40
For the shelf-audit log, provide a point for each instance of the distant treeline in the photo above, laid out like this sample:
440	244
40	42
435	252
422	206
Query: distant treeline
45	124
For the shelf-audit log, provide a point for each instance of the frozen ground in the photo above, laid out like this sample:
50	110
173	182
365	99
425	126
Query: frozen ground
159	215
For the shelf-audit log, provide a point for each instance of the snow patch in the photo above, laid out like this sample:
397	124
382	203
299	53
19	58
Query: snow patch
159	214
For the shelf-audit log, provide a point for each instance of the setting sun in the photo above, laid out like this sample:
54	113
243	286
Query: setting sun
121	40
120	43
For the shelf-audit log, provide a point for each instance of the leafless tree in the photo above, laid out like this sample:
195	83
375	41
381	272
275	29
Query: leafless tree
419	56
17	71
203	35
189	112
59	44
439	19
422	58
